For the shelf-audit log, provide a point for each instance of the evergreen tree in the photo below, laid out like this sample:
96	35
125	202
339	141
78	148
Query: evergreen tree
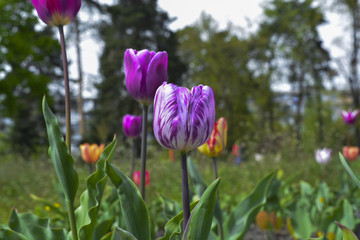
133	24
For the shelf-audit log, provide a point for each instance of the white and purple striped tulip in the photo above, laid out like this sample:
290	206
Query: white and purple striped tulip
183	119
144	71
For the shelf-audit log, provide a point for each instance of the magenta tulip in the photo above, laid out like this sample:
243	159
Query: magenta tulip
132	125
183	119
57	12
145	71
349	116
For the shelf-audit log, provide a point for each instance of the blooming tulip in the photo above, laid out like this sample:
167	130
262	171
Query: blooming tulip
349	116
145	71
323	155
350	153
57	12
183	119
131	125
217	140
136	178
91	153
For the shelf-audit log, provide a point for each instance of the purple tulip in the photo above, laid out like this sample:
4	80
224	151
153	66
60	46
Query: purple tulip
57	12
349	116
183	119
145	71
132	125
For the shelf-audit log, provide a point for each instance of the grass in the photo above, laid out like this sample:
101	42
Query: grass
18	179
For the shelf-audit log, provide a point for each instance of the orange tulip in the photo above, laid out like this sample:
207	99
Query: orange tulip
350	153
263	219
217	141
91	153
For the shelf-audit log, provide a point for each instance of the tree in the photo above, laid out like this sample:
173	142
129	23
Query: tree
29	60
132	24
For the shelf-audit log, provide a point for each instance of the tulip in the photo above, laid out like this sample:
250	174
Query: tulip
136	178
350	153
145	71
217	141
349	116
183	119
132	125
57	12
323	155
91	153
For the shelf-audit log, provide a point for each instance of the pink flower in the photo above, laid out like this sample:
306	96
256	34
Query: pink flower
57	12
349	116
323	155
136	178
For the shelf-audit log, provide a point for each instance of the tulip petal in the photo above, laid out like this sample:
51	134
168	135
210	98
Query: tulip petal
133	73
156	73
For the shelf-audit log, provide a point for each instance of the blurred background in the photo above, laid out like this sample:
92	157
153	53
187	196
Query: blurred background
281	70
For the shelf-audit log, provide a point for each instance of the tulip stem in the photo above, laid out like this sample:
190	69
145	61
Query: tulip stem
185	190
133	158
143	150
67	92
220	226
72	220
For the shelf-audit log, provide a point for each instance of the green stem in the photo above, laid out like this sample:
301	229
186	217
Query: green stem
72	220
185	190
220	225
133	158
143	150
67	92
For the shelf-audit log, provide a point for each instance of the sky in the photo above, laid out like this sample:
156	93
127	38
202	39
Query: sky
243	13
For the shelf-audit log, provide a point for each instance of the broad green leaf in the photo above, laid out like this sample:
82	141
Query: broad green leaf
59	153
238	221
173	226
34	228
319	238
8	234
347	233
199	224
134	211
200	186
87	213
349	171
121	234
300	218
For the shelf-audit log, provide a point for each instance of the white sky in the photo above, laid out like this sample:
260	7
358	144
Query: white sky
243	13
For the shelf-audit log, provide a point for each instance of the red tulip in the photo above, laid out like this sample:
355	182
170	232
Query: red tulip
136	178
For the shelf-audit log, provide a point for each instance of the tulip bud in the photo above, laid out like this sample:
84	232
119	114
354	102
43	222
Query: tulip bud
91	153
132	125
183	119
349	116
57	12
217	140
350	153
136	178
145	71
323	155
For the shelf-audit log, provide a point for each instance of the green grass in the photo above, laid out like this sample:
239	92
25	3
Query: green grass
18	178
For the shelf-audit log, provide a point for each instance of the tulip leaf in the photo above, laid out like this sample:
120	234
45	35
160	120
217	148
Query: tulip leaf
87	213
8	234
198	227
173	226
347	233
59	153
238	222
318	238
200	186
349	171
31	227
134	211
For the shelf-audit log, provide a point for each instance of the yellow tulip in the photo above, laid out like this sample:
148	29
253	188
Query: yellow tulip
91	153
217	141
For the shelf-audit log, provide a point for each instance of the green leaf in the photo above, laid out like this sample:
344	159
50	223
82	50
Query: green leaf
34	228
238	221
319	238
121	234
134	211
59	153
87	213
8	234
347	233
199	224
173	226
348	169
